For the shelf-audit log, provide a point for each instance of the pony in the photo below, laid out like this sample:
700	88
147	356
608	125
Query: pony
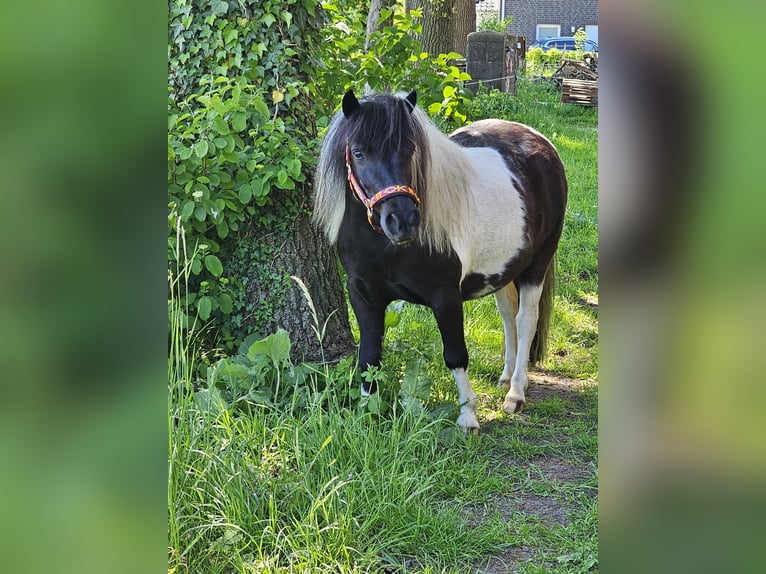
437	220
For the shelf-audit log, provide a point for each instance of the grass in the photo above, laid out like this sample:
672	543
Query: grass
322	485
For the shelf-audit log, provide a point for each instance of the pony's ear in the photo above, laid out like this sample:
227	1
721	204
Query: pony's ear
412	99
350	104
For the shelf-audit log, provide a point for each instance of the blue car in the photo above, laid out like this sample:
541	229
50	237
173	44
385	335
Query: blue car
563	43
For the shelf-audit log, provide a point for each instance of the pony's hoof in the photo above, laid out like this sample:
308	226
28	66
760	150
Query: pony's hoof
468	423
513	406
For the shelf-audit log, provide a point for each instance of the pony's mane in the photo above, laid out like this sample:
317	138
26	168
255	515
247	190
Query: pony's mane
440	170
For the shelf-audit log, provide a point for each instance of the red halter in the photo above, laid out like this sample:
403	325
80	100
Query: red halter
370	203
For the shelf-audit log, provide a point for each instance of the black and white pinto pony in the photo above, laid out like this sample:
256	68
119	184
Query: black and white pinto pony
438	220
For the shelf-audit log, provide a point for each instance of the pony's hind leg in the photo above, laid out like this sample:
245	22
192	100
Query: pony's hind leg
526	325
507	300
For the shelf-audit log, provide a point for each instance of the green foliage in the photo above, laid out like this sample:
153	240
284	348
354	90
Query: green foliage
395	62
262	376
495	23
539	63
240	149
242	139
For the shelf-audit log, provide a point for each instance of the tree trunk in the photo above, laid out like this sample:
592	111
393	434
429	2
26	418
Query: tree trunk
303	252
373	16
465	23
438	26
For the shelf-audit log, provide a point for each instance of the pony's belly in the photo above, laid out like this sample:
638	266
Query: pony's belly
478	283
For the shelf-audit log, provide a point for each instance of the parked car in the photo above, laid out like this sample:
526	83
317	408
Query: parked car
564	43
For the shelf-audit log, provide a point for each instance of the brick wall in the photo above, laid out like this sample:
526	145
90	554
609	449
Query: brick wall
528	13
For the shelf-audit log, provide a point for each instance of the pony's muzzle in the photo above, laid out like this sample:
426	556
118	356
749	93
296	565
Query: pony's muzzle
400	220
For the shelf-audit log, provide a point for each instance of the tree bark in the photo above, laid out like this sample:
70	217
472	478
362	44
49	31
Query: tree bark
373	16
304	253
464	24
438	26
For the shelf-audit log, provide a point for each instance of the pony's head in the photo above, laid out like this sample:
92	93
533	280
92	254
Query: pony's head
410	177
381	138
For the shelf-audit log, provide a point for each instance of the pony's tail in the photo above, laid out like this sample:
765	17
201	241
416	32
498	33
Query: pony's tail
539	347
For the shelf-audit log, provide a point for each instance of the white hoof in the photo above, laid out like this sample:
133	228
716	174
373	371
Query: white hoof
467	421
513	402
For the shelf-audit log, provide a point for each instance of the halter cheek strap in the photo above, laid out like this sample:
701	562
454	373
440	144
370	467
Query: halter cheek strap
384	193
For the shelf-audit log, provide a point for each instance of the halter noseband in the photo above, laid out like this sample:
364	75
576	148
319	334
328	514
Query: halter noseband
384	193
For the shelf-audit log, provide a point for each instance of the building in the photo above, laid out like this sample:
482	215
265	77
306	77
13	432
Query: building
539	19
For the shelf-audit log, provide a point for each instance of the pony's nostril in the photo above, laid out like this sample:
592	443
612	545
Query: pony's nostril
414	219
393	222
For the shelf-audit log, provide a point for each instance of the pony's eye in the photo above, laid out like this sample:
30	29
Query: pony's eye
357	154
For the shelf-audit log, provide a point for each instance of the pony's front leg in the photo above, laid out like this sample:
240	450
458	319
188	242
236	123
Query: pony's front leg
371	319
449	318
526	325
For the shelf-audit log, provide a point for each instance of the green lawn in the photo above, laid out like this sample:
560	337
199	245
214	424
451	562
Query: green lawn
319	483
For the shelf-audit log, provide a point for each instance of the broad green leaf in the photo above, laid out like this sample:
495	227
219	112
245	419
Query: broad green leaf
225	303
213	265
200	148
200	213
220	8
257	187
221	127
187	209
245	193
239	121
210	401
276	347
222	229
294	167
204	306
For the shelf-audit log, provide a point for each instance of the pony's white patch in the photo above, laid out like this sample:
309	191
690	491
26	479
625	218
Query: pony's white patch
466	398
496	229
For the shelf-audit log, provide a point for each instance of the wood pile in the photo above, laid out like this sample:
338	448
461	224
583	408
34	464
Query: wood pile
578	82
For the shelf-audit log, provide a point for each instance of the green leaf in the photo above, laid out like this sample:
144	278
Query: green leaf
245	193
220	126
225	303
210	401
257	187
187	209
204	306
269	19
222	229
239	121
251	165
294	167
276	347
200	213
220	8
213	265
200	148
